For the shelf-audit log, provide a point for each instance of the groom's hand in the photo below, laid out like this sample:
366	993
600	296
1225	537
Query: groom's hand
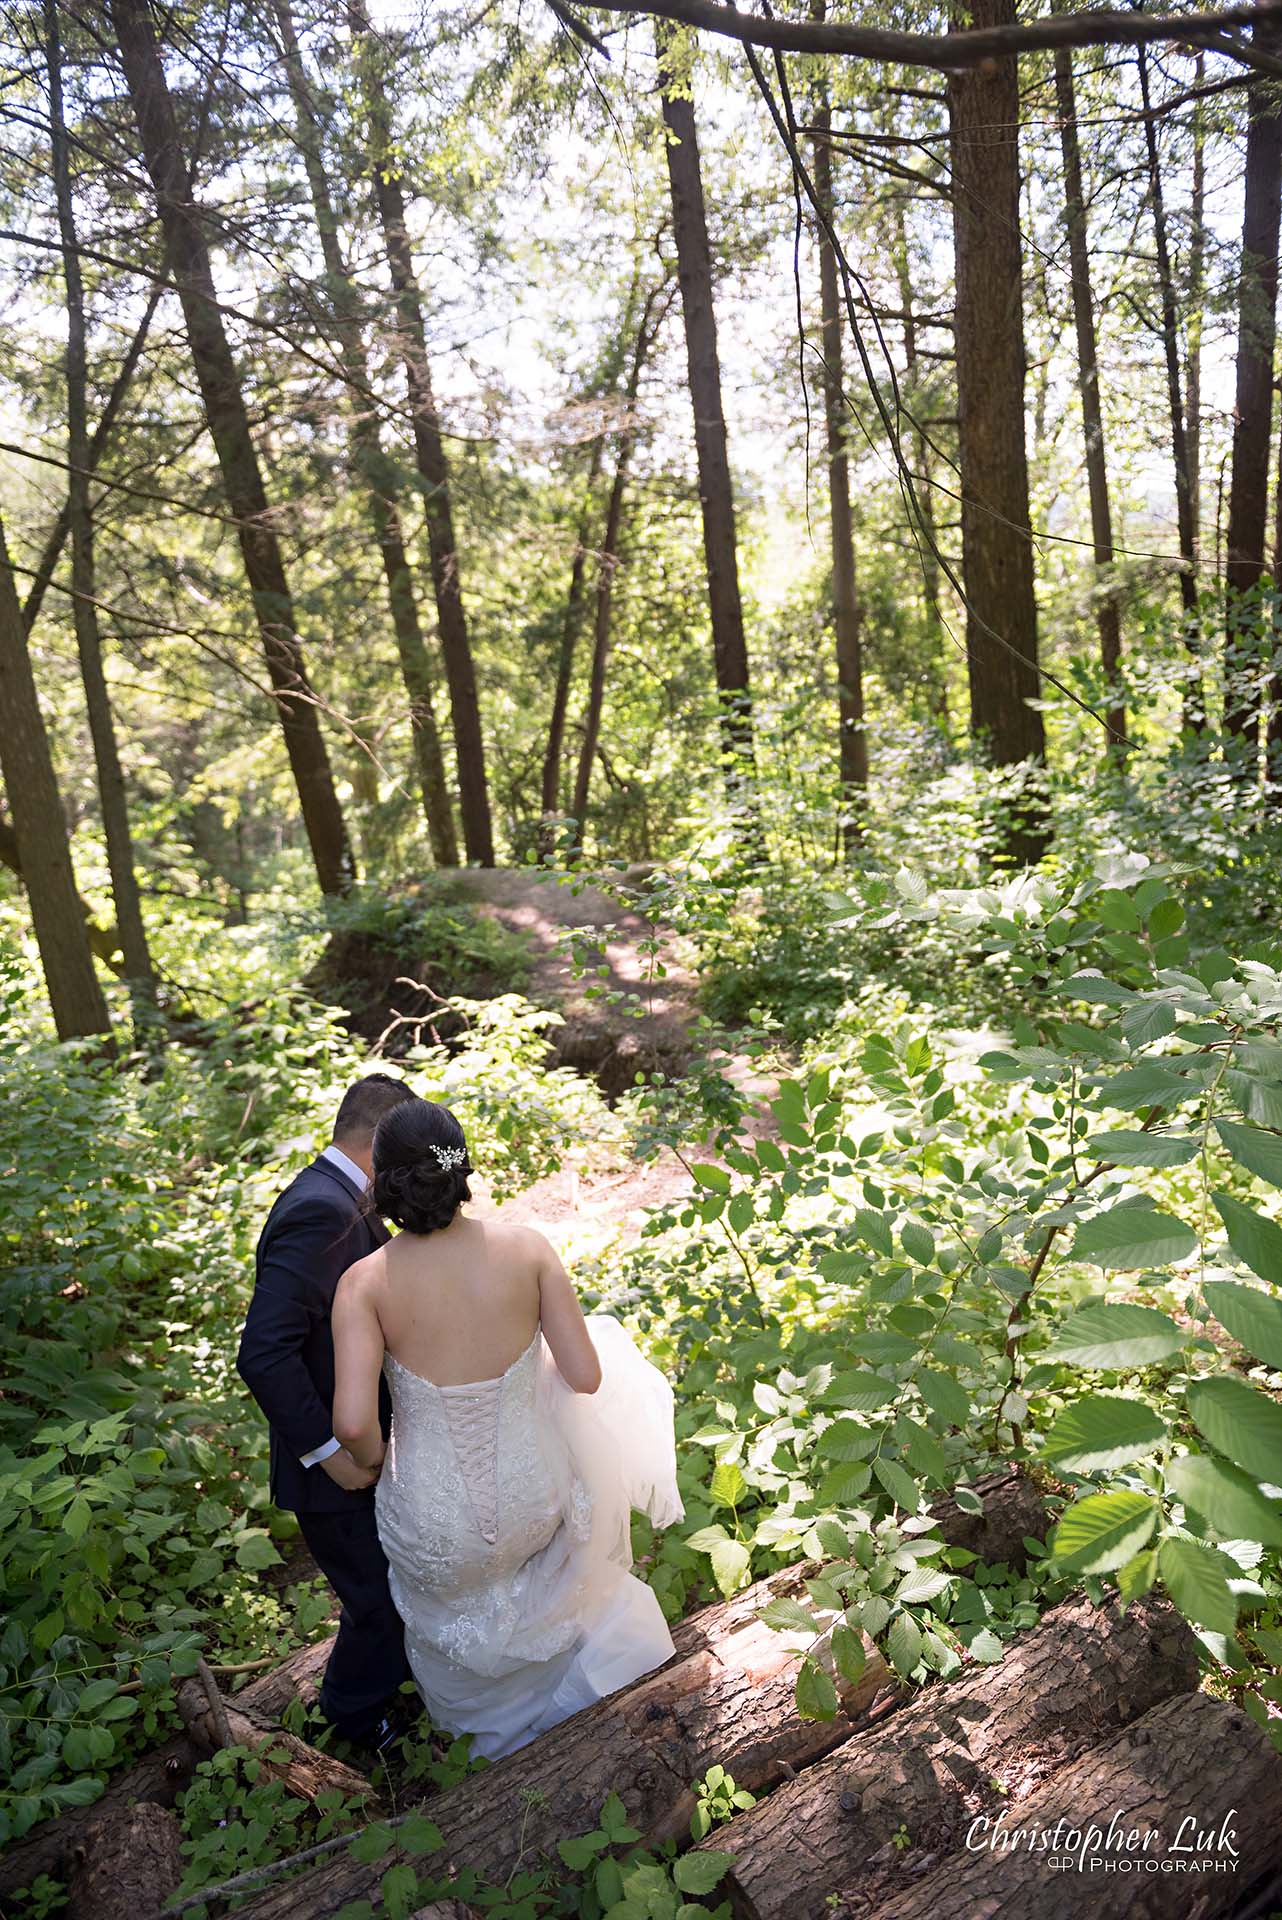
346	1473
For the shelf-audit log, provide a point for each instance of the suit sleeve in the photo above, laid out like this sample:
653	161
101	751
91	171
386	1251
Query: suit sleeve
298	1271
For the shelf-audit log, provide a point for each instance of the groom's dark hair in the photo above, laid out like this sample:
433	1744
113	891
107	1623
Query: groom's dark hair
364	1104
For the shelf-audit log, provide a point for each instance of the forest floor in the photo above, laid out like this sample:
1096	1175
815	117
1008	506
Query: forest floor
620	1015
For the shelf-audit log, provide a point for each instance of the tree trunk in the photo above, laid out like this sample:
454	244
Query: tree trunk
131	1864
302	1769
1253	413
429	446
572	622
1196	313
608	563
997	551
138	969
57	538
930	573
1194	703
39	825
1081	1672
376	472
225	412
1107	597
846	614
1189	1767
716	495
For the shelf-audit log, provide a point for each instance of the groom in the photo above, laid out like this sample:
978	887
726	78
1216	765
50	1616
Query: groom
318	1227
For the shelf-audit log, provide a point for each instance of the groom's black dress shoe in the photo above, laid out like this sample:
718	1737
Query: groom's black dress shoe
405	1717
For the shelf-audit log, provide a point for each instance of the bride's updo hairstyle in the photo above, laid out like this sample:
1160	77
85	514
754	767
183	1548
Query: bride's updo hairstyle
420	1166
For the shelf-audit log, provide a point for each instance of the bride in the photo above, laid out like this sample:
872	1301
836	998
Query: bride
522	1436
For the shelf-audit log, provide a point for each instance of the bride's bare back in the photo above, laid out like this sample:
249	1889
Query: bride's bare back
454	1306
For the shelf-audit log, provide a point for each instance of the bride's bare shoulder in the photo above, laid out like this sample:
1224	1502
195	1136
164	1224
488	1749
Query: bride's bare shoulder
517	1242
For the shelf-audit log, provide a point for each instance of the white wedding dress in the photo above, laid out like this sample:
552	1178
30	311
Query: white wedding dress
504	1508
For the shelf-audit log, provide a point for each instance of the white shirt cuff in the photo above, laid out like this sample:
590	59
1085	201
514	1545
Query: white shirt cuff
314	1458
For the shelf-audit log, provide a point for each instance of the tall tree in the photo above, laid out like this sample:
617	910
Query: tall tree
571	623
1195	311
1253	412
429	444
228	421
931	579
39	825
716	494
997	548
608	554
377	473
846	616
1107	596
112	797
1194	702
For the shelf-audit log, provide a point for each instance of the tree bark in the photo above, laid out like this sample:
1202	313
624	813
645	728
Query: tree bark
571	625
139	972
130	1863
228	420
1196	314
852	761
376	471
39	824
429	446
930	573
716	494
1193	1757
1081	1672
1245	564
608	564
302	1769
1194	702
997	550
1107	596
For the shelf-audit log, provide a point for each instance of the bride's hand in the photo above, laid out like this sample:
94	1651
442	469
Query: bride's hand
348	1474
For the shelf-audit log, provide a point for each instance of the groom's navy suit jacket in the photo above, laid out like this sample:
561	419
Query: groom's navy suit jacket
315	1231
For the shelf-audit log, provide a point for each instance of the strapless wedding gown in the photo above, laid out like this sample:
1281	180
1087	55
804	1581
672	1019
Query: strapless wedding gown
504	1508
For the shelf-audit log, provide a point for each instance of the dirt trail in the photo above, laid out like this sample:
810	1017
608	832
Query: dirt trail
583	1211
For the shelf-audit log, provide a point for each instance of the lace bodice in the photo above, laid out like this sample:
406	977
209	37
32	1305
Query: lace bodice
503	1508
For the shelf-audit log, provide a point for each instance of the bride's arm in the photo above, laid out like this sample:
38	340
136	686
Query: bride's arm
564	1328
358	1361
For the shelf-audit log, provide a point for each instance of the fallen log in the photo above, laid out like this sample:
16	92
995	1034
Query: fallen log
304	1770
126	1862
1014	1510
956	1749
728	1697
157	1778
1196	1774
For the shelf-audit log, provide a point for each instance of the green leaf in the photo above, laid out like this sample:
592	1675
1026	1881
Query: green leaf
875	1229
418	1834
1138	1575
1103	1531
1256	1241
1240	1422
922	1584
944	1396
372	1843
1102	1430
903	1644
1226	1498
1255	1099
716	1179
788	1615
1116	1335
1126	1236
918	1242
730	1563
816	1693
580	1850
399	1891
728	1484
843	1484
1130	1147
256	1551
902	1489
1197	1583
700	1872
985	1647
847	1440
1254	1148
1250	1315
848	1653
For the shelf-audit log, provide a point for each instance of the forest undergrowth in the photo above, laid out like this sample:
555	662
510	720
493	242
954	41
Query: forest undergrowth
1015	1199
